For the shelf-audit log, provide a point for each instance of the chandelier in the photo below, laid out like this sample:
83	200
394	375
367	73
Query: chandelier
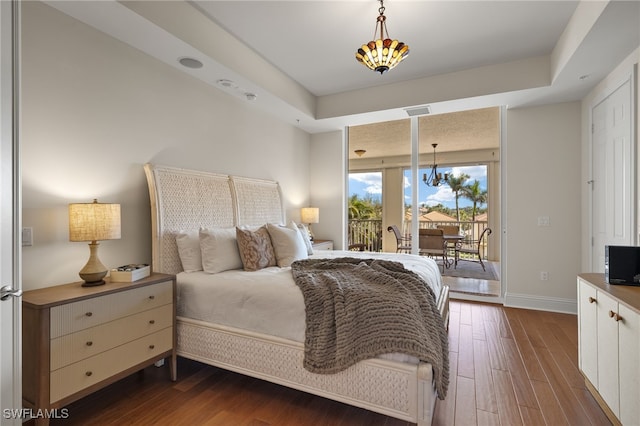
382	54
435	178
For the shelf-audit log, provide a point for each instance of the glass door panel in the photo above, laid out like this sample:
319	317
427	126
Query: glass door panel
364	227
378	154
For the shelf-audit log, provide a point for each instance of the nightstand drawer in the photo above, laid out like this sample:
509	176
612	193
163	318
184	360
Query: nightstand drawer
86	343
322	245
75	377
72	317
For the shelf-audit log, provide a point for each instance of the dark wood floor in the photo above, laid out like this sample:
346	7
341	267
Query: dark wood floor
508	367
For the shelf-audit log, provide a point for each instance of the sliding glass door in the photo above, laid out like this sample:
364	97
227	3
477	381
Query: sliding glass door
445	165
378	155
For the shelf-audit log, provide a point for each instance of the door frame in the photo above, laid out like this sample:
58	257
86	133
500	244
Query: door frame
10	212
495	174
607	91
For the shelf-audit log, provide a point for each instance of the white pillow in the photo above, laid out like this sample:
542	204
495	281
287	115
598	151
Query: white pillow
304	233
219	250
189	250
287	243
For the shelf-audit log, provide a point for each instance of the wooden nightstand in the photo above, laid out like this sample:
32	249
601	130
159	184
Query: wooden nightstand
77	340
322	244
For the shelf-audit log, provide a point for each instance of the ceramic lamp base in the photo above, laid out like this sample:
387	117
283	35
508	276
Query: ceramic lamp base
94	271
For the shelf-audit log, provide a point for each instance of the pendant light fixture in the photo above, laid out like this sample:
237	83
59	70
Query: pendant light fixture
382	54
434	178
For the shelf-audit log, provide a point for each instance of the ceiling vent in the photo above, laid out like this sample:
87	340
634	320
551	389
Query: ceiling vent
422	110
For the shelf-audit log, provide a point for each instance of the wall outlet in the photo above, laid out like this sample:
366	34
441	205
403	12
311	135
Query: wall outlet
544	276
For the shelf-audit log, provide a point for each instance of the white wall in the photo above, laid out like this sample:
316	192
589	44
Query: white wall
542	178
327	167
95	110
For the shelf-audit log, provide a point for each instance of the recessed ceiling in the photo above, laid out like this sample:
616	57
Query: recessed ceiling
459	131
315	42
298	57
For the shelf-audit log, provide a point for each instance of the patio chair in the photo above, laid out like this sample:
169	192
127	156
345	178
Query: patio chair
472	247
433	244
403	243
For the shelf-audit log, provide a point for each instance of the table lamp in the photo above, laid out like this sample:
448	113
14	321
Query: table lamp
94	222
310	215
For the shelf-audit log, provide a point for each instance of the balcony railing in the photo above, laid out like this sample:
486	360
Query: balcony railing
369	232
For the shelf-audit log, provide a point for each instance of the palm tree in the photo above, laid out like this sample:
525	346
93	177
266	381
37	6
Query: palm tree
366	208
354	212
473	193
456	183
361	212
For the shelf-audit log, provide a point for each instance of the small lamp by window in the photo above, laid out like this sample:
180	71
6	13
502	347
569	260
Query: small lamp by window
310	215
94	222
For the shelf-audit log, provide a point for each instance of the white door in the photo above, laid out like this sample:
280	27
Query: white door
612	174
10	326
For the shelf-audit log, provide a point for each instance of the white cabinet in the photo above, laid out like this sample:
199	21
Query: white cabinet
608	352
588	339
629	344
609	345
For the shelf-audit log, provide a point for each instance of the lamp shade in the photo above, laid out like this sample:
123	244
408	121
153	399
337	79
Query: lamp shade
310	215
94	221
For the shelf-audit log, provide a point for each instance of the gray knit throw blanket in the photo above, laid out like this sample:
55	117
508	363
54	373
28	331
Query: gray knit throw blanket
358	309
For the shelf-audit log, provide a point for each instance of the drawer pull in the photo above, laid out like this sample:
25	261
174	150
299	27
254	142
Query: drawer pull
89	343
88	374
152	346
152	322
152	297
592	300
89	314
616	316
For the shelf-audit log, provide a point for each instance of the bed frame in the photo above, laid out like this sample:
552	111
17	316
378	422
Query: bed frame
186	200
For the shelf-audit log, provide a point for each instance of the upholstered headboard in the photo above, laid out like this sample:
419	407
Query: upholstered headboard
186	200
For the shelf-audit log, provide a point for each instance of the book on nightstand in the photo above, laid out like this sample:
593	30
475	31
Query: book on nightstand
130	273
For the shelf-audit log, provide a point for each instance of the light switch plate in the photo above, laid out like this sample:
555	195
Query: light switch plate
544	221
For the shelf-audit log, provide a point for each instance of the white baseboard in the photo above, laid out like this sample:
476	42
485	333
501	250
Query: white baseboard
475	298
541	303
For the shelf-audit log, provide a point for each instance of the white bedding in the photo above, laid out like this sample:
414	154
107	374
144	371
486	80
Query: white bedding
268	301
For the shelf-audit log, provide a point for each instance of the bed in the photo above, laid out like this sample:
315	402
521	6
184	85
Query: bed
396	385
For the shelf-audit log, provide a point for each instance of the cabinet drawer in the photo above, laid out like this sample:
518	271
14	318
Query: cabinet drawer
75	377
323	245
87	313
86	343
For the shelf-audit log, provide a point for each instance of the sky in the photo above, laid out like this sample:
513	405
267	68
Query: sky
370	184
